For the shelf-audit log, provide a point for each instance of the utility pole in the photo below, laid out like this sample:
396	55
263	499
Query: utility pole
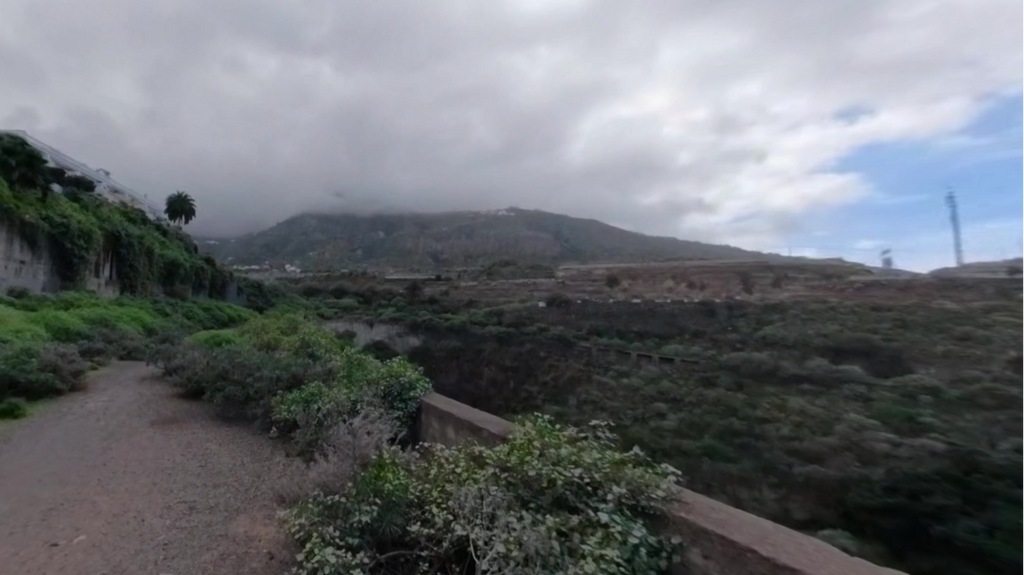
954	219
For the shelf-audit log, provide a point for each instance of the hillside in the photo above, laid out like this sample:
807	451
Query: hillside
331	241
999	268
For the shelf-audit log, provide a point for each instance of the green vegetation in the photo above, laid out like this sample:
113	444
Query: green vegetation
285	371
21	164
551	499
48	342
892	429
898	425
13	408
80	229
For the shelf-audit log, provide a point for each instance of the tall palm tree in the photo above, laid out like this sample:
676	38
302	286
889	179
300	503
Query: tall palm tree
180	208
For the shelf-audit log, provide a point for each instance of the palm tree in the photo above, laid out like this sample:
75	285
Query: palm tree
180	208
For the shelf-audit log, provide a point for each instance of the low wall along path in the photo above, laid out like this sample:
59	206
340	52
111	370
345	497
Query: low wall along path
719	539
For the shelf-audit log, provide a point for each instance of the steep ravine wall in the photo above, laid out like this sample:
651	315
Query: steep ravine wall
718	539
31	267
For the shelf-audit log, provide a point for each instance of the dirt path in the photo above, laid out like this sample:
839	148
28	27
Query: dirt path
128	478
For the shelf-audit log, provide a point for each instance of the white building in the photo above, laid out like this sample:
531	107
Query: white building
105	185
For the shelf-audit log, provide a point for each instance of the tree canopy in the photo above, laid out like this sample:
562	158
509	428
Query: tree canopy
180	208
21	165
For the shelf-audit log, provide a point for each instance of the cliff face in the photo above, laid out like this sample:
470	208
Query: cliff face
332	241
32	267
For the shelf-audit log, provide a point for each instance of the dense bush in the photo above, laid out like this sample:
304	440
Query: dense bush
35	371
558	300
284	370
13	408
215	338
45	340
551	499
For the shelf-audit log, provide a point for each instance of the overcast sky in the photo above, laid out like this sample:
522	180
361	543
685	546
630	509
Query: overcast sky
724	120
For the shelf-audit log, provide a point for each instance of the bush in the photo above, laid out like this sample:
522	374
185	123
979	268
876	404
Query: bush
215	338
915	385
558	300
348	447
822	372
128	346
612	281
876	357
751	364
672	349
16	327
63	361
550	499
61	326
13	408
36	371
282	369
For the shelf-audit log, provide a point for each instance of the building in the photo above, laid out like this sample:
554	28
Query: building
105	185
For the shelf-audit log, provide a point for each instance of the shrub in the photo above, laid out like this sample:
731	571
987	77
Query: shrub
751	364
63	361
822	372
13	408
914	385
95	351
348	447
612	281
61	326
310	411
35	371
558	300
876	357
280	368
127	346
550	499
215	338
15	327
673	349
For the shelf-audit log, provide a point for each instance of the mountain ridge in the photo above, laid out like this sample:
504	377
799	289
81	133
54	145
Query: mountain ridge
455	239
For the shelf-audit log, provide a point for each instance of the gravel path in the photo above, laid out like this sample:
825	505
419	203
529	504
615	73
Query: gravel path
128	478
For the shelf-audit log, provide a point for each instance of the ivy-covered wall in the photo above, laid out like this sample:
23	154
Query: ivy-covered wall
23	266
57	242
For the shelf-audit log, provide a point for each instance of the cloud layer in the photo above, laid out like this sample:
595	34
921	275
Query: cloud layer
719	120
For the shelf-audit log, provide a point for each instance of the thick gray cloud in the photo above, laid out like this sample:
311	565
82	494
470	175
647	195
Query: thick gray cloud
707	119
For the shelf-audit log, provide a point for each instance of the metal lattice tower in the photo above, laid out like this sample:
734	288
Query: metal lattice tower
954	219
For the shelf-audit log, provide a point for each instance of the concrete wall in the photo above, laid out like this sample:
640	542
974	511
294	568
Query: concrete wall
719	539
22	265
448	422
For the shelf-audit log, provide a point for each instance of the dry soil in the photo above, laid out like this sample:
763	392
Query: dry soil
128	478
